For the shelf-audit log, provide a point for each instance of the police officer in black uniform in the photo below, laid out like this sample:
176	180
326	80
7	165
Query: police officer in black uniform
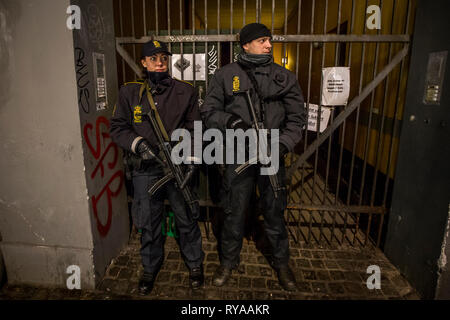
177	104
276	91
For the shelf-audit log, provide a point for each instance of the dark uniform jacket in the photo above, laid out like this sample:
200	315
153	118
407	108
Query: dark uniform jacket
177	105
284	104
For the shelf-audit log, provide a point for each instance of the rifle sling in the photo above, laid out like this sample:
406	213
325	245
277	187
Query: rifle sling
260	107
152	105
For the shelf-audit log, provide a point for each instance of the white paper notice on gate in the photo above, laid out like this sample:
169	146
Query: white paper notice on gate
325	113
185	64
335	86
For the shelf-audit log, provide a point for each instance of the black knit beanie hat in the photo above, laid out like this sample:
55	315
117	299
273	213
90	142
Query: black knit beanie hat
253	31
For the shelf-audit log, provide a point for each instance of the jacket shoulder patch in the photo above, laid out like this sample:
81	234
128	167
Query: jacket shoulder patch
137	112
236	84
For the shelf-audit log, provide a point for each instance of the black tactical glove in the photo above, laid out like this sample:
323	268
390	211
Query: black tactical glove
190	171
145	152
236	123
283	151
195	210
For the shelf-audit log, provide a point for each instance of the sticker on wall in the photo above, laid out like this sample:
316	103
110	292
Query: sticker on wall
185	65
101	98
335	86
325	113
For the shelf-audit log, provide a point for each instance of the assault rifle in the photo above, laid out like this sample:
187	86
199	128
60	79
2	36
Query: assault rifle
258	124
172	170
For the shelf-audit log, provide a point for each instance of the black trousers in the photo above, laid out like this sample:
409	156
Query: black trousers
237	194
148	213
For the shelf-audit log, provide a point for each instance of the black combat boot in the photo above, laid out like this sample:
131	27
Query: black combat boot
286	278
221	276
196	277
146	283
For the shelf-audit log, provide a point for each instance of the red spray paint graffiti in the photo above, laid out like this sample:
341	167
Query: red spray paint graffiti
101	138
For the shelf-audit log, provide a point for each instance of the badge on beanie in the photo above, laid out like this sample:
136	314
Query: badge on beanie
157	44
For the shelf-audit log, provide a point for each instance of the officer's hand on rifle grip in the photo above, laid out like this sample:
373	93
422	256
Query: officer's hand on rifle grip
283	151
144	151
189	174
195	210
236	123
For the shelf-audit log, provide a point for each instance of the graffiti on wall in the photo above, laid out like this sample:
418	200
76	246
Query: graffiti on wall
102	149
82	72
212	60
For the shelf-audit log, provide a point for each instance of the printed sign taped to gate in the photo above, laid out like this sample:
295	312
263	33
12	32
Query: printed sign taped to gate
325	113
183	66
335	86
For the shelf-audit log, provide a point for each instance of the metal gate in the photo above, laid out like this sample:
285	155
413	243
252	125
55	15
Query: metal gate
341	179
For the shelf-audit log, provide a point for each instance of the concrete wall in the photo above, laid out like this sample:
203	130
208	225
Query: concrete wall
103	159
48	216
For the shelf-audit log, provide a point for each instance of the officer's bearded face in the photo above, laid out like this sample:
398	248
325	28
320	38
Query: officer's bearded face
156	63
258	46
